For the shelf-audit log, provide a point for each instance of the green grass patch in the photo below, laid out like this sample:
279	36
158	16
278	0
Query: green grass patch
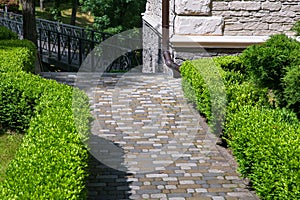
9	144
82	19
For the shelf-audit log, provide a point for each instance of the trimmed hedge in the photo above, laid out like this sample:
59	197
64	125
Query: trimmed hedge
52	160
198	87
203	85
266	145
17	55
264	138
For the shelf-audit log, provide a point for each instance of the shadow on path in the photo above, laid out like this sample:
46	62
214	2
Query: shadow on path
106	182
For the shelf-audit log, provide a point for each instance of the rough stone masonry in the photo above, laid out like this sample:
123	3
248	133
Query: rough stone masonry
228	17
214	18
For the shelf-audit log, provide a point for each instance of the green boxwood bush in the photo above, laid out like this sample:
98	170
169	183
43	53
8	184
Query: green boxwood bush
17	55
52	160
195	88
239	91
266	145
6	34
203	85
230	63
264	138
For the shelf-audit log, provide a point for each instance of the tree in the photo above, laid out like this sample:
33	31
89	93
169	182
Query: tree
29	22
115	15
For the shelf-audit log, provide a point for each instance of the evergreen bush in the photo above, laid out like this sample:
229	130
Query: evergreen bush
264	138
267	63
52	160
6	34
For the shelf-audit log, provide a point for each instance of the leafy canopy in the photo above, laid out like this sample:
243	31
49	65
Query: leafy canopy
115	15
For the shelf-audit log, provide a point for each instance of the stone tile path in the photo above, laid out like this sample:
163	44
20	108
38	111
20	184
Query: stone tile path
149	143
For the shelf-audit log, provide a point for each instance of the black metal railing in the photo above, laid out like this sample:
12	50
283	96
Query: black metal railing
70	45
65	48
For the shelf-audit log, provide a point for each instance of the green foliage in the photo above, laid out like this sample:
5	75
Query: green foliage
266	145
246	93
6	34
203	85
52	160
267	63
17	55
291	85
195	88
263	137
55	14
16	107
12	5
230	63
296	28
115	15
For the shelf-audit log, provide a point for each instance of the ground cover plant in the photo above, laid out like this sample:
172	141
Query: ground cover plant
261	124
52	159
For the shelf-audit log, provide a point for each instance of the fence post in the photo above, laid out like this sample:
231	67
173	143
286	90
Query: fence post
40	38
58	46
49	43
69	49
80	51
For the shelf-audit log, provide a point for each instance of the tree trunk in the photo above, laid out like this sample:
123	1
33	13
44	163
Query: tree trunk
29	22
74	11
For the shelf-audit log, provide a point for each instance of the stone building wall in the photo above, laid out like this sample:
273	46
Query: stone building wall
214	18
257	17
233	17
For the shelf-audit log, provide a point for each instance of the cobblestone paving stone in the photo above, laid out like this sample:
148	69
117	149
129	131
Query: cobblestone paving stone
149	143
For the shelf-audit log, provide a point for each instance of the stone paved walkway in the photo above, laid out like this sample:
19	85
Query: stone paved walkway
149	143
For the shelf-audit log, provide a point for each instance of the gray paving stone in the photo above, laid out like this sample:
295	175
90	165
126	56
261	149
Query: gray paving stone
167	152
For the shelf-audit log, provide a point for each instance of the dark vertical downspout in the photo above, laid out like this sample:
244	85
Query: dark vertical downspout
165	36
165	24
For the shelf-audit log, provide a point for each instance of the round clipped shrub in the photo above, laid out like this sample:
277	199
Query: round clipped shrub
203	85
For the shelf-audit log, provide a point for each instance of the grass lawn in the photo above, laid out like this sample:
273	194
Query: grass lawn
9	144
